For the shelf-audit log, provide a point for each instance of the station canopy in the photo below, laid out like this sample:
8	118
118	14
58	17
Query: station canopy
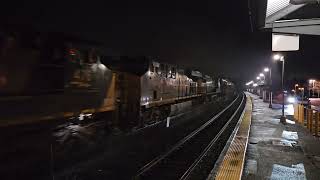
290	16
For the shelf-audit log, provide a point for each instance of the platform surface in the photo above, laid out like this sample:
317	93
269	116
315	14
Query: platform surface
277	151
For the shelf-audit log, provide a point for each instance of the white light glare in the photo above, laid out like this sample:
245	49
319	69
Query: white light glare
261	74
291	100
278	57
255	85
266	69
102	66
248	83
258	77
81	117
311	81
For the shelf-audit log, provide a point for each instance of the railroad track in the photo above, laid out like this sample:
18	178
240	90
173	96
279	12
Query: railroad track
188	159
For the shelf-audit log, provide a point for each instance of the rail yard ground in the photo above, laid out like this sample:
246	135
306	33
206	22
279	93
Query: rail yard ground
90	151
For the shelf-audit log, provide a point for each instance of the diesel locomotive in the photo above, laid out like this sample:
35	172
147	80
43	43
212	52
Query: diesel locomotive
51	76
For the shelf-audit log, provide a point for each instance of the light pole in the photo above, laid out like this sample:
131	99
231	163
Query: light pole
311	81
258	83
295	89
302	93
270	84
263	82
262	75
280	58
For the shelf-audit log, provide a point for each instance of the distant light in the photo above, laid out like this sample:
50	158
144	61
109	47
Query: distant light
258	77
311	81
296	85
291	100
278	57
149	73
102	66
250	82
266	69
81	117
255	85
261	74
88	115
72	52
293	90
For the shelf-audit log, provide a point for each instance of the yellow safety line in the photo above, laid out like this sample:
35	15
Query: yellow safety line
233	161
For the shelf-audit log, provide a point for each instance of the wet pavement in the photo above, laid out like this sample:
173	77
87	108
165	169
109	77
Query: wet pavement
277	151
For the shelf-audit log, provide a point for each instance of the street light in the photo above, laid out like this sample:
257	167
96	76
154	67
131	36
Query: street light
263	87
280	58
277	57
262	75
302	93
295	88
311	81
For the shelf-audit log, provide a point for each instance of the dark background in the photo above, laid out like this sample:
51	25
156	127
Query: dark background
214	37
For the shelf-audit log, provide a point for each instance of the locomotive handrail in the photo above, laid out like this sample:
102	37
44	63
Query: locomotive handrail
168	101
183	141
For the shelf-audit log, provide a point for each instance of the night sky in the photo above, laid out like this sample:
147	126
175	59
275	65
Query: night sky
214	37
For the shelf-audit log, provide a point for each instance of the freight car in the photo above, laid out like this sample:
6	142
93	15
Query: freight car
50	75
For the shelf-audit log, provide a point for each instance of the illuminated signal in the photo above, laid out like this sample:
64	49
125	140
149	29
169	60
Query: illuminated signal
72	52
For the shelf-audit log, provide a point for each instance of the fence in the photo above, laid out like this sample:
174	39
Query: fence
308	118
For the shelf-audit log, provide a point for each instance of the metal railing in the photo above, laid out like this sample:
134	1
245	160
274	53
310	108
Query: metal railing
308	118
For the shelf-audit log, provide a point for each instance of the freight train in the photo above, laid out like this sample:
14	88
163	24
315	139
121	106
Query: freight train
50	76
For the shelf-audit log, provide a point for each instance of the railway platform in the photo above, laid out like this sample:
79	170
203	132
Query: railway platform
264	148
278	151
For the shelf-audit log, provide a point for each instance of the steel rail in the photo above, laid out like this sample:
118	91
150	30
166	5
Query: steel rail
158	159
205	151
